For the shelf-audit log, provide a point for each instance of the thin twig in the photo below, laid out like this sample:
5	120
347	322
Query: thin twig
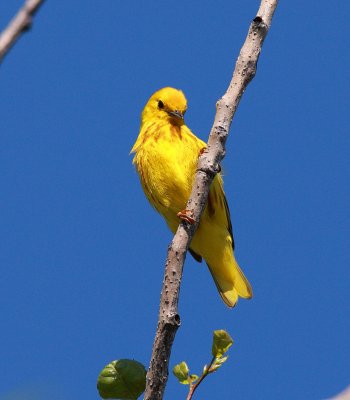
208	166
205	373
19	24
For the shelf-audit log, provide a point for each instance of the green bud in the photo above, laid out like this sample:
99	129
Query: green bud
181	372
221	343
217	363
122	379
220	360
214	367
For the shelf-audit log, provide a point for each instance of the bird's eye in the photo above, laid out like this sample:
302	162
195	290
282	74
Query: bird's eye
160	104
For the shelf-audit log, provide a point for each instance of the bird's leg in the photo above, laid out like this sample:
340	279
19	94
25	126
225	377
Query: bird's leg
186	215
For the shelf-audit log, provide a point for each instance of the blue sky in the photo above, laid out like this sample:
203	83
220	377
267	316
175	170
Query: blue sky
82	252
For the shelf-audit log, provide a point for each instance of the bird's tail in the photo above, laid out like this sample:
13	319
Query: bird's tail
230	281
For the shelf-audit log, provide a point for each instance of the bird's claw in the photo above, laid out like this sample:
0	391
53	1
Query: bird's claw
186	215
201	151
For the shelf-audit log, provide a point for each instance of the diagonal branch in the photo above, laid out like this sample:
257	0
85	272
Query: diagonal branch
19	24
344	395
208	166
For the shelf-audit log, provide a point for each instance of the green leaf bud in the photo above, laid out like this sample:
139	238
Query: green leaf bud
181	372
221	343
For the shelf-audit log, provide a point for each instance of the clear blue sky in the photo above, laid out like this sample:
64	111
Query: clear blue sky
82	252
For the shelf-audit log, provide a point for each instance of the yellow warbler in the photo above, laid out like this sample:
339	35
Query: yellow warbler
166	159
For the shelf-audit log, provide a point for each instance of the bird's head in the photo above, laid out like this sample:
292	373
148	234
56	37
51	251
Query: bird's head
166	104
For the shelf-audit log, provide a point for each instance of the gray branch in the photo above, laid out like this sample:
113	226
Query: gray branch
19	24
208	166
344	395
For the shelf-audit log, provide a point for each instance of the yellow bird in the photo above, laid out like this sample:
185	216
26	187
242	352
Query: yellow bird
166	156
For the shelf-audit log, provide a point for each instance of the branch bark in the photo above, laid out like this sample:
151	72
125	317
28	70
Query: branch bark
19	24
344	395
208	166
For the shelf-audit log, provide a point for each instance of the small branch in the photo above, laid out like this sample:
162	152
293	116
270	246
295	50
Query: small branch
208	166
19	24
204	374
344	395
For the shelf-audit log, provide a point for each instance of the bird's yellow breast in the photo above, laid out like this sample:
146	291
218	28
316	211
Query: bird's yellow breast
166	159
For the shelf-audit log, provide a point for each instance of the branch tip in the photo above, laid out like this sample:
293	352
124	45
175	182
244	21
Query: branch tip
21	23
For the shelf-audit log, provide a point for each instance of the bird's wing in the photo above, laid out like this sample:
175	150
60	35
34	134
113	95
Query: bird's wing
196	256
217	207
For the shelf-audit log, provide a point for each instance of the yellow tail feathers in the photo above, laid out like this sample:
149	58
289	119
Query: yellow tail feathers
232	284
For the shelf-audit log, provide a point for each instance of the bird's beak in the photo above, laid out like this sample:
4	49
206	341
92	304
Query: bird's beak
176	114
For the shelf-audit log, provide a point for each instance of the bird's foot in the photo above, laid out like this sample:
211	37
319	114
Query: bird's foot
186	215
201	151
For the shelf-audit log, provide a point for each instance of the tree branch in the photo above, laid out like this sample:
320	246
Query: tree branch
344	395
19	24
208	166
